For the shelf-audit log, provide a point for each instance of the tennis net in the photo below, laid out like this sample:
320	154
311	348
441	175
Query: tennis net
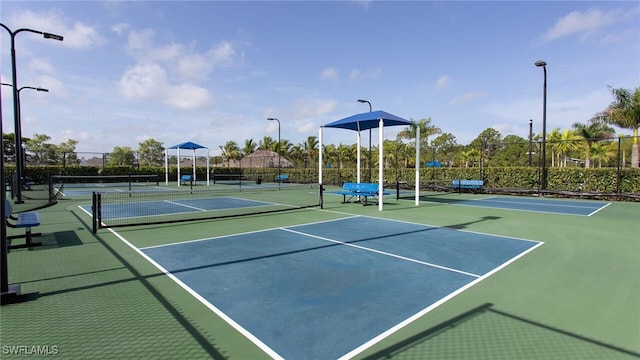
96	182
129	208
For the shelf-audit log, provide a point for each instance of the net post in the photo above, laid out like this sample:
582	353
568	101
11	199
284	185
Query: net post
320	197
94	212
397	190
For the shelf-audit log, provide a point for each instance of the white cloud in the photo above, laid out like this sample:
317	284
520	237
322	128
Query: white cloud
55	86
143	81
224	53
466	98
583	24
120	28
181	61
442	82
329	74
309	108
77	36
359	75
41	65
188	97
193	66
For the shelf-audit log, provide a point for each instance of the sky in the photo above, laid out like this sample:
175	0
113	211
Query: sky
214	71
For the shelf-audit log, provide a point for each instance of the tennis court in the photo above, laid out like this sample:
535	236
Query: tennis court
310	291
345	281
546	205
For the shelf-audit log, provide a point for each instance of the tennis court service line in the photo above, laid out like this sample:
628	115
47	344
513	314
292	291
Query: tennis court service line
382	253
184	205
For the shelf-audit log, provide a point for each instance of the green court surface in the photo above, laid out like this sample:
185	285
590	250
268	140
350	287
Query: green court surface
87	296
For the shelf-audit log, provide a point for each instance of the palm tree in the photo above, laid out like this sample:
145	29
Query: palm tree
426	130
624	112
553	139
267	143
469	155
230	151
595	130
567	143
311	147
249	147
330	154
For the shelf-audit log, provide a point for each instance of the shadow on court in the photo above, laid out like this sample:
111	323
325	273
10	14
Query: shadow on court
315	248
487	333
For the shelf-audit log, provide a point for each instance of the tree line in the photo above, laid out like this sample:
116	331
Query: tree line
585	144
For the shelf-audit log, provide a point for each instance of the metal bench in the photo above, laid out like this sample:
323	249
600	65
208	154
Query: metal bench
281	178
26	220
186	179
360	190
467	184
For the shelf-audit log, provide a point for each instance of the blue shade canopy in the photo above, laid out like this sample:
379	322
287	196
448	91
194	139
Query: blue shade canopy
187	145
368	120
433	163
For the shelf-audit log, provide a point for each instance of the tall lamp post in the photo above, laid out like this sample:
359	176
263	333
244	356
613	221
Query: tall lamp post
16	105
365	101
21	154
543	184
279	155
530	142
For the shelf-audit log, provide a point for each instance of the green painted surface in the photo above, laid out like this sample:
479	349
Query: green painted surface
94	297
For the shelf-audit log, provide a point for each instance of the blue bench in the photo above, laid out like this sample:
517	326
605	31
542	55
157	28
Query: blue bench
467	184
281	178
26	220
360	190
186	179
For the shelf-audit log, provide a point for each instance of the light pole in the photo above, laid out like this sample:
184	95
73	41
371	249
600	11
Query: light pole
543	184
16	105
21	153
365	101
279	155
530	142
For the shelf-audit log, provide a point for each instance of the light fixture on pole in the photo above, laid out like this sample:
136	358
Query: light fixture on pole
279	155
16	105
365	101
543	184
22	152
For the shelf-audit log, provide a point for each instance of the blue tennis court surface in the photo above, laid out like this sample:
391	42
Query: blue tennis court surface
557	206
169	207
331	289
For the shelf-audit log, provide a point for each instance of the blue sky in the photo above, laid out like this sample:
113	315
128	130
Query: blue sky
213	71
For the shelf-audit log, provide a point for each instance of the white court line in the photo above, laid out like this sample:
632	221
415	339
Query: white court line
534	203
383	253
185	205
607	204
273	354
204	301
428	309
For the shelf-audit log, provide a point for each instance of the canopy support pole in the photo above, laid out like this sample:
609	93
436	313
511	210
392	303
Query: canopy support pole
380	163
417	165
358	154
166	166
178	167
208	160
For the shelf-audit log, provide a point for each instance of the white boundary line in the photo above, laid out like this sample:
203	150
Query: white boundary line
426	310
270	352
382	253
601	208
204	301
